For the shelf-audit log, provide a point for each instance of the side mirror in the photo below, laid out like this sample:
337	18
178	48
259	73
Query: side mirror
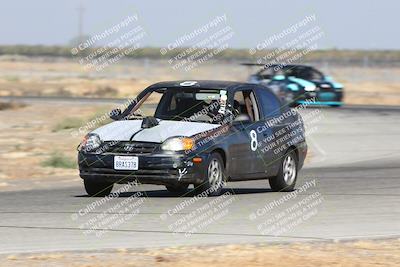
115	114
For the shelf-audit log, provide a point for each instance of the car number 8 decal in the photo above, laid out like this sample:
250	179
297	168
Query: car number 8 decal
253	142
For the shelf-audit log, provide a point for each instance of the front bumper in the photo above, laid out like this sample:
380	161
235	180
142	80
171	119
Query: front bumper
158	169
325	98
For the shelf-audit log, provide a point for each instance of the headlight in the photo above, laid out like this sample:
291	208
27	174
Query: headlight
90	142
178	144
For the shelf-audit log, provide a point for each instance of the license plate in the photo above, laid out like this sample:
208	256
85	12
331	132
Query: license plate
126	163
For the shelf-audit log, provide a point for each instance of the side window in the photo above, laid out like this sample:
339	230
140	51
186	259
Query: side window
270	104
245	104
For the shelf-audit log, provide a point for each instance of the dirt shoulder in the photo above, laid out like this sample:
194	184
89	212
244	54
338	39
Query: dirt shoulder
356	253
38	142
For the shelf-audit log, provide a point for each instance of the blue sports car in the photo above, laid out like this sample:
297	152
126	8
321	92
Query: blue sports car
295	84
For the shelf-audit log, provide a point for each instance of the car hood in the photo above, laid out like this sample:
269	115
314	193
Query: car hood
124	130
301	82
329	83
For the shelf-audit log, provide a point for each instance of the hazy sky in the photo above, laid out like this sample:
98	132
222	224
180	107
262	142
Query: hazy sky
349	24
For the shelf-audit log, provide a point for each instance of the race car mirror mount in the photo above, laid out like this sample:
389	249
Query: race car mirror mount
149	122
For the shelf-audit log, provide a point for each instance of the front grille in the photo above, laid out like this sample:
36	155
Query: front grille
129	147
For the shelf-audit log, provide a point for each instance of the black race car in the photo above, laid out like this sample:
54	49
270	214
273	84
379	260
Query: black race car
196	132
295	84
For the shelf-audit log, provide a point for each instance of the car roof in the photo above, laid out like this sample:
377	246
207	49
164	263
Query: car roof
288	67
204	84
292	66
281	66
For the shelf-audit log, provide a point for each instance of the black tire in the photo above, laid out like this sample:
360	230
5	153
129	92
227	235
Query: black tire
177	189
97	189
285	181
214	180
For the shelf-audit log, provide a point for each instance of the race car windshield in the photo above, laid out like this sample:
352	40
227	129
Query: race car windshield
304	73
188	104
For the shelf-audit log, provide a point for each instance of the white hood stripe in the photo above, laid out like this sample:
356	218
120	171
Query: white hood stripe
124	130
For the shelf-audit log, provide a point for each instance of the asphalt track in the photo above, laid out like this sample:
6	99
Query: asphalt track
354	162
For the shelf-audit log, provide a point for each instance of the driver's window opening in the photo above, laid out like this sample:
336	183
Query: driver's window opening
305	73
245	105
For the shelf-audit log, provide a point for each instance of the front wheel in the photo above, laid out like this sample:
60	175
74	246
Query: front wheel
287	176
97	189
212	186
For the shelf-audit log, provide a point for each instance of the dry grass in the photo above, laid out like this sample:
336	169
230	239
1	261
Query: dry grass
68	123
349	254
28	139
58	160
11	105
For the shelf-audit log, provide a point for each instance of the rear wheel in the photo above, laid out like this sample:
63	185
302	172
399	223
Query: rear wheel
97	189
177	189
215	176
285	181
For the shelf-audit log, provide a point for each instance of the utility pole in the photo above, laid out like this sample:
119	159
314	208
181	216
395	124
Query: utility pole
81	10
